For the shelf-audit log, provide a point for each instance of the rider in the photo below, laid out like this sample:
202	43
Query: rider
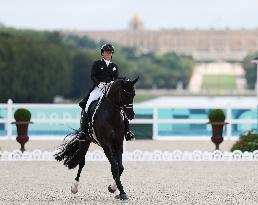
103	71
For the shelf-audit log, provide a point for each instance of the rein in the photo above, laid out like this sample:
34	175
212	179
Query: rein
122	106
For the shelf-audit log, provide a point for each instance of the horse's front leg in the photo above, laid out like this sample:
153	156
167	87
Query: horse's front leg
83	148
115	172
118	156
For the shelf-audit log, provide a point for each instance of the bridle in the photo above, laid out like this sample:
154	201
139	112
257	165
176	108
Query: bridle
122	105
128	105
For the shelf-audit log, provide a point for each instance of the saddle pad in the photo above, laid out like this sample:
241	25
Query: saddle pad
91	111
92	107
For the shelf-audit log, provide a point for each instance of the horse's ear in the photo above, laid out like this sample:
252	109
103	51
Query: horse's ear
135	80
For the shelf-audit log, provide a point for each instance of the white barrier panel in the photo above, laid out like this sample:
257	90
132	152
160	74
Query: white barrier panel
65	119
138	155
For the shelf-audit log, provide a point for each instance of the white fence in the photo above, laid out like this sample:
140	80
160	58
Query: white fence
138	155
155	121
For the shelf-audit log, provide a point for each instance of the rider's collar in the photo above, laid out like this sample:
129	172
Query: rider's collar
106	61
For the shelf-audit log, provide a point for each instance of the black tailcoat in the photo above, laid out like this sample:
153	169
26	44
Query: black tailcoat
100	72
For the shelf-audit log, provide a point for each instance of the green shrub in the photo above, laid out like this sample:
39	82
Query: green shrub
216	115
247	142
22	114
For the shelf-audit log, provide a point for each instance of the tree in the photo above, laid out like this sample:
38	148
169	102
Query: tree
250	70
36	66
81	81
80	42
32	69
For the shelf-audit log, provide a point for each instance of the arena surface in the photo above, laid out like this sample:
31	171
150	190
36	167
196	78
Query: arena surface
146	183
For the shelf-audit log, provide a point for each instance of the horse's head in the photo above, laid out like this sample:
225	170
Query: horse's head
127	96
122	91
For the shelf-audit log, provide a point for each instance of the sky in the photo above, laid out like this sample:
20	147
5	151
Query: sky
115	14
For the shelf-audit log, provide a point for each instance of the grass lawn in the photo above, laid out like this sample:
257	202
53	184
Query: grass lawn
224	82
140	98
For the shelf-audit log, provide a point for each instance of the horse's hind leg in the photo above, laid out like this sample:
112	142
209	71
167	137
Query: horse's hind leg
115	172
84	144
83	148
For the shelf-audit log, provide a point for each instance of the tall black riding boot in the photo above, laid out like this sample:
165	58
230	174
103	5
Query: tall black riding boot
129	135
85	124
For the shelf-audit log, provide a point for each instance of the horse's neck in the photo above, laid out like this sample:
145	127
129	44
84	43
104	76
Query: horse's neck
113	96
111	105
110	113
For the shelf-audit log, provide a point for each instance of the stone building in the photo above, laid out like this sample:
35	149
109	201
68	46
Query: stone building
211	44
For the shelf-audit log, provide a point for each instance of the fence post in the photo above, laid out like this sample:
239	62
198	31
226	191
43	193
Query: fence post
229	120
9	118
155	128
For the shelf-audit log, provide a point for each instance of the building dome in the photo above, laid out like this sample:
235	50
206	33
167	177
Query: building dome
136	22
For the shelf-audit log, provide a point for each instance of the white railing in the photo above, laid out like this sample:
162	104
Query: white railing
155	121
139	155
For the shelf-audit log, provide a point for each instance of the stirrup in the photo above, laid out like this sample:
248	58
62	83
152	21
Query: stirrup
129	136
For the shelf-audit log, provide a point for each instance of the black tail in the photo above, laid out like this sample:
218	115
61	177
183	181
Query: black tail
69	151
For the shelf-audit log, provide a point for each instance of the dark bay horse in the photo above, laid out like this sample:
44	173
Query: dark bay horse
110	131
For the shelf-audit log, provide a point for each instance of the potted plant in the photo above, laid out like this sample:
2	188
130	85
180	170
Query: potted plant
217	121
22	118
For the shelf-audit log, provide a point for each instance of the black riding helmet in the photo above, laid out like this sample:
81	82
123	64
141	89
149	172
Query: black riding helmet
107	47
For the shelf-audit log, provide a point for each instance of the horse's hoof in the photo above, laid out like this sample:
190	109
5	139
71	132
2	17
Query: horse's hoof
111	190
121	197
74	187
74	190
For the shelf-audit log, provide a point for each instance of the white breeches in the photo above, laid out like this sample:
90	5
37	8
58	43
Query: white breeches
94	95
